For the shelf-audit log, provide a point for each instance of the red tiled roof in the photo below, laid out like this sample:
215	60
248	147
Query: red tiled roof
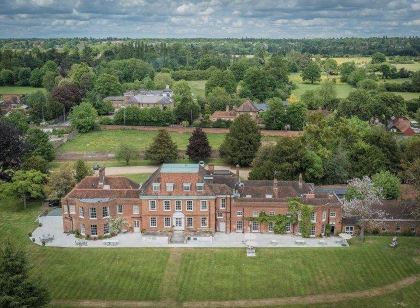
247	106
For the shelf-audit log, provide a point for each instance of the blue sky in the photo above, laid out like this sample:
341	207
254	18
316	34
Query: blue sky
215	18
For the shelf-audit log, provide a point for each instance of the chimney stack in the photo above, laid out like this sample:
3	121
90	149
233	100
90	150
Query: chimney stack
275	188
101	177
300	181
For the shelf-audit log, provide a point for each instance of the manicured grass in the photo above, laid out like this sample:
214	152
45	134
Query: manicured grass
229	274
19	90
109	141
219	274
74	273
198	87
137	177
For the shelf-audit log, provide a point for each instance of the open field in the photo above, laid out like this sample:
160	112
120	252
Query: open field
109	141
361	61
198	87
408	95
343	89
212	274
18	90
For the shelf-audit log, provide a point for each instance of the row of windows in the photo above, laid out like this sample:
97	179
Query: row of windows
94	229
171	186
189	205
105	211
167	222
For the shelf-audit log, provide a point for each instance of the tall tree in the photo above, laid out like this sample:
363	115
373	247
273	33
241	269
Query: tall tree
198	147
364	203
82	170
388	183
39	144
162	149
26	184
126	152
223	79
16	288
83	117
312	72
242	142
186	109
107	84
12	148
61	181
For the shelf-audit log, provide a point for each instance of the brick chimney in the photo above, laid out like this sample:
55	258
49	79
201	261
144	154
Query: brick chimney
275	188
101	177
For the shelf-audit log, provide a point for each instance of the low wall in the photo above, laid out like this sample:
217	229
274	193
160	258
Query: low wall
179	129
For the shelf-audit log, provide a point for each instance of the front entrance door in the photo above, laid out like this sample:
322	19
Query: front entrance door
222	226
332	229
178	221
136	226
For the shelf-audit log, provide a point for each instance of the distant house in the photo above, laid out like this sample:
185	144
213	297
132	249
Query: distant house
9	102
403	125
247	107
143	99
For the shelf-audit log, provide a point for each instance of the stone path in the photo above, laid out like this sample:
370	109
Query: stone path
169	293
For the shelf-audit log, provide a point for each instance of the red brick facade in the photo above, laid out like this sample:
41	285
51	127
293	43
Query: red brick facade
192	199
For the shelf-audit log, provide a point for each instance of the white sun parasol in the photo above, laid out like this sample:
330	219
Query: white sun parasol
345	236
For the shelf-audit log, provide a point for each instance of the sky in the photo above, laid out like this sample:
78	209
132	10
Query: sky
209	19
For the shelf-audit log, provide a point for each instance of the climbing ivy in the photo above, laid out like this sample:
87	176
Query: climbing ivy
297	213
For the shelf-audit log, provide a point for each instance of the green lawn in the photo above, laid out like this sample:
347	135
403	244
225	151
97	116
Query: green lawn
219	274
109	141
19	90
198	87
343	89
137	177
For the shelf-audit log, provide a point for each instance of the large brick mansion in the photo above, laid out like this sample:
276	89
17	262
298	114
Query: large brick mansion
196	200
191	198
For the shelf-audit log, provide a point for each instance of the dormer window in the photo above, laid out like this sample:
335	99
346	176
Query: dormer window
186	186
156	186
200	186
169	186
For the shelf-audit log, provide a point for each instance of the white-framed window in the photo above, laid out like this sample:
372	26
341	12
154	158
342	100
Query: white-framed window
397	228
153	222
255	214
255	227
203	205
167	222
82	229
119	209
413	229
156	186
270	226
190	207
106	228
324	215
136	209
166	205
219	215
349	229
81	212
332	214
152	205
178	205
313	230
105	211
239	213
93	230
203	222
200	186
186	186
313	217
223	203
271	213
72	209
65	209
189	222
239	226
169	186
92	213
288	227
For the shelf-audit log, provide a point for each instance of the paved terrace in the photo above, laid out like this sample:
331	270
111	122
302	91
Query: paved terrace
53	226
